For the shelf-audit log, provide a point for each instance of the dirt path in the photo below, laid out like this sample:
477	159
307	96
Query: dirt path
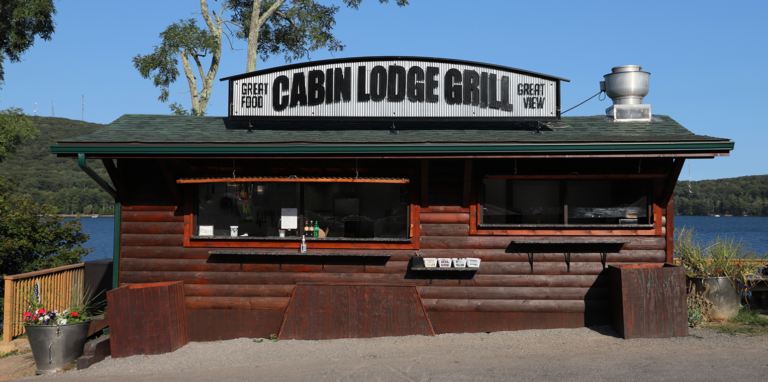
585	354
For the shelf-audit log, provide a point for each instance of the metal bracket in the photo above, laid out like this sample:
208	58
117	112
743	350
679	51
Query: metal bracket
96	178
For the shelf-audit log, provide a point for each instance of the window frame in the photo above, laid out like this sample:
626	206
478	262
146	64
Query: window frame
650	228
190	218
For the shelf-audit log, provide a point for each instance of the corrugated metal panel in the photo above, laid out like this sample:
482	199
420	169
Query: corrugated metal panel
521	106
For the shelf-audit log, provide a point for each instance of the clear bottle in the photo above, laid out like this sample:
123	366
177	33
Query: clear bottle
303	248
315	229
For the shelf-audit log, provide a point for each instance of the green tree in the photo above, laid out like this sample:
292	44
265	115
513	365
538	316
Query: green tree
15	128
20	22
191	43
33	236
289	27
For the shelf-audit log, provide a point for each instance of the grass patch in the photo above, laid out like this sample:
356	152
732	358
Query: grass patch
14	352
748	322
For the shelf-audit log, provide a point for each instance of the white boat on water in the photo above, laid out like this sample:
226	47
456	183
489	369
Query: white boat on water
717	216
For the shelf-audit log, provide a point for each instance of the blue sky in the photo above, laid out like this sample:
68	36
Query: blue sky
706	58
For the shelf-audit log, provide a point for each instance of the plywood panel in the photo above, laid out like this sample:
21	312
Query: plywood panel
329	311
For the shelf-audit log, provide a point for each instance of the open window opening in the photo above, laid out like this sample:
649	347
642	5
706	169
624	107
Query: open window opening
327	209
512	202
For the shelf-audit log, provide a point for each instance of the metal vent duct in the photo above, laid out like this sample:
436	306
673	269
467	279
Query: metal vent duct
627	85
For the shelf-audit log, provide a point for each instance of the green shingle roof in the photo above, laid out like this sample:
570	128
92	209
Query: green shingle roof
187	131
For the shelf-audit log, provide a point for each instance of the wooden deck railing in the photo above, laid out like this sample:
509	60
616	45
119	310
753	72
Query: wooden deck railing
56	287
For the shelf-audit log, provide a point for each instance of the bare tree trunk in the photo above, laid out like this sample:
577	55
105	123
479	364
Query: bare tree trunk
253	37
257	20
190	80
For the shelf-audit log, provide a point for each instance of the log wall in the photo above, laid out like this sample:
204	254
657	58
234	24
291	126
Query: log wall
230	300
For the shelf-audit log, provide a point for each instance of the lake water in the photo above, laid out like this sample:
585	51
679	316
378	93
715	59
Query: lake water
753	230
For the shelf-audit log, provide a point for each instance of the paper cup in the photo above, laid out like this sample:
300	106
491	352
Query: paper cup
233	230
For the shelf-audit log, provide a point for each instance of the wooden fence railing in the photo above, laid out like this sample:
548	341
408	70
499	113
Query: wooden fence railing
56	286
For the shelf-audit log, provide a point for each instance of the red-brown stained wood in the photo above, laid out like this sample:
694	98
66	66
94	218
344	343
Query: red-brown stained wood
531	306
147	319
161	240
152	216
238	290
648	301
670	230
151	228
446	209
359	311
445	229
444	218
486	255
512	293
227	324
219	302
503	242
284	278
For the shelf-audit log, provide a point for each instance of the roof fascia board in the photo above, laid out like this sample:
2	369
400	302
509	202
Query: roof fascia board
393	149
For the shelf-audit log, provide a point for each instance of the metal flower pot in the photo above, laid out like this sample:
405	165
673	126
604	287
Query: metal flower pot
723	295
55	346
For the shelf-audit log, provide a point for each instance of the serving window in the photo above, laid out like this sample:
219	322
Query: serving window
335	209
526	203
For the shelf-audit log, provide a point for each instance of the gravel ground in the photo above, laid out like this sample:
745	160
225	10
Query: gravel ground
587	354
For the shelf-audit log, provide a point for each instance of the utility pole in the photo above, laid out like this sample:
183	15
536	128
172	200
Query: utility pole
82	116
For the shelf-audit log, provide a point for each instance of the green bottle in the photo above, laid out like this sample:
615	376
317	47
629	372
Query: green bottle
315	231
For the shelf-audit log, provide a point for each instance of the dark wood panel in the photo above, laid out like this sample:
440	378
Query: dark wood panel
227	324
481	322
531	306
512	293
285	278
152	216
503	242
160	240
174	228
321	312
444	218
445	229
206	302
147	319
238	290
649	301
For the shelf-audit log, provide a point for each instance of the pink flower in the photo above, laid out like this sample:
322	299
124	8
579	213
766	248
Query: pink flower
74	314
41	311
27	314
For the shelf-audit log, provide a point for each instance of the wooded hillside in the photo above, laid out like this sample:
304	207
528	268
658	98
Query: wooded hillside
57	181
743	196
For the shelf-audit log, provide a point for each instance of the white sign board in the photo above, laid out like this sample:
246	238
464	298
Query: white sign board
394	88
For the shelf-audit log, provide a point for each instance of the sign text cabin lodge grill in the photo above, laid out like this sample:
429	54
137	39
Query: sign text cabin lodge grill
383	164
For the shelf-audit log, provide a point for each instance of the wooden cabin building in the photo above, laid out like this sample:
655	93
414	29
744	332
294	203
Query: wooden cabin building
393	160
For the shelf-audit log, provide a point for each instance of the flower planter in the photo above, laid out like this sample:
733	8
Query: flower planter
720	291
54	346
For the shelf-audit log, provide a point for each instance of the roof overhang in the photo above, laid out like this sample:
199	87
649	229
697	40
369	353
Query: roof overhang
718	148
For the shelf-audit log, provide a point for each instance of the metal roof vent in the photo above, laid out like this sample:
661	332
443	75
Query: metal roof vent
627	85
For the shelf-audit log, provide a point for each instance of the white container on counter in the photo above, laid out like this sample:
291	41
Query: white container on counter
430	262
473	262
444	263
459	263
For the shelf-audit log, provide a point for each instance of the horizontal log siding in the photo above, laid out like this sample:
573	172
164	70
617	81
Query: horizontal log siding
505	293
